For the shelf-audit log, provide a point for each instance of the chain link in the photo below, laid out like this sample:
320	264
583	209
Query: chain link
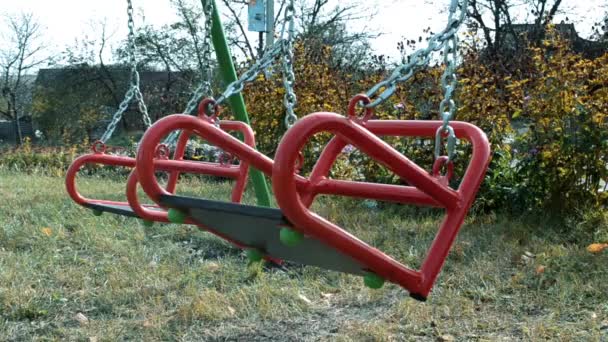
248	76
387	87
447	107
282	48
448	41
289	78
204	88
134	90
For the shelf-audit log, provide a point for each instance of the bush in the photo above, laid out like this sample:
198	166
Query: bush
545	115
52	161
547	121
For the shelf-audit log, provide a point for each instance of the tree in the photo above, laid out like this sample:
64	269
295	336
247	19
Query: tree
21	55
319	23
600	29
495	19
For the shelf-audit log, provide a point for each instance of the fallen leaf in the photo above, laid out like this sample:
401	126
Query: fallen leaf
597	247
81	318
148	323
212	267
304	299
327	295
446	338
540	269
47	231
231	310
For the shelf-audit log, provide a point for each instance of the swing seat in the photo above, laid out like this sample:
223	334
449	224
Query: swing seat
132	207
118	208
338	250
259	228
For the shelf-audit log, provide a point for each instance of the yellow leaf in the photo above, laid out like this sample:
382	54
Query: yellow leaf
47	231
540	269
516	114
597	247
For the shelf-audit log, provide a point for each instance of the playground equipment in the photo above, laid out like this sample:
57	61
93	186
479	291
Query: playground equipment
223	168
293	232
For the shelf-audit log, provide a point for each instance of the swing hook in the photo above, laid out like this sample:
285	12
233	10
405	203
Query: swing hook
209	109
362	100
99	147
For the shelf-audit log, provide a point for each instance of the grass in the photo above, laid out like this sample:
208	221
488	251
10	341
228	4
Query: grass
506	278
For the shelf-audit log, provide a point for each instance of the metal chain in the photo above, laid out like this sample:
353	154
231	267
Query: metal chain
273	52
134	90
448	41
204	88
447	108
281	48
387	87
289	77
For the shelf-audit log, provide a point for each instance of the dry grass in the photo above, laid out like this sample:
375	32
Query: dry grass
175	283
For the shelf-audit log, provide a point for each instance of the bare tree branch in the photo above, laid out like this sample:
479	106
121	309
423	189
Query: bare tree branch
17	58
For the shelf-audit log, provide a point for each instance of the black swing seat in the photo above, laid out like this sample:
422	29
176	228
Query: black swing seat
259	228
118	209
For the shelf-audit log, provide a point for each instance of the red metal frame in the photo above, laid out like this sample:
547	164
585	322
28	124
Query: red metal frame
175	167
295	193
427	188
238	173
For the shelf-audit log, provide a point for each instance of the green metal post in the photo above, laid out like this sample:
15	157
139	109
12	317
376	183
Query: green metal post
237	103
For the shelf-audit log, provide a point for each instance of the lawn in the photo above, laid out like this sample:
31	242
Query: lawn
66	274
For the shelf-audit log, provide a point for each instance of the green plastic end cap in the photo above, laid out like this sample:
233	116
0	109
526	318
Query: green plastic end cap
290	237
373	281
176	216
97	212
148	223
254	255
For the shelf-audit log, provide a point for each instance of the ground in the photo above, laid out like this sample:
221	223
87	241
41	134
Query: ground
68	275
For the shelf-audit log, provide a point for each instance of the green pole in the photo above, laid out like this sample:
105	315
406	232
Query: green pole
236	102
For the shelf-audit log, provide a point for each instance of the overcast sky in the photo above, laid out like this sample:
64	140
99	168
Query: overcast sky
64	20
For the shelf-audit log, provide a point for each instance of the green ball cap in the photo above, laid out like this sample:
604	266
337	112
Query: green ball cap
148	223
176	216
373	281
254	255
97	212
290	237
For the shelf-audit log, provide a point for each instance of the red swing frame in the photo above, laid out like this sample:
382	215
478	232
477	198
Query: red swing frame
161	163
295	193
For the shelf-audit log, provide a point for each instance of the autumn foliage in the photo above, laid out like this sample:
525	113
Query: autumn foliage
545	114
544	111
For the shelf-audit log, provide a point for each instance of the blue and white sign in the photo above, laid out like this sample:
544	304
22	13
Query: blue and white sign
257	16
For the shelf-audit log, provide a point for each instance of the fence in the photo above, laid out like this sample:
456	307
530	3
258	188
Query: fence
8	134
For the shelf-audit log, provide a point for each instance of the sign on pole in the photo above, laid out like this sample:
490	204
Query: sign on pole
257	16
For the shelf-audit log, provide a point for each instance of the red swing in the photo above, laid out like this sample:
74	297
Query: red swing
427	189
152	213
133	207
336	248
295	233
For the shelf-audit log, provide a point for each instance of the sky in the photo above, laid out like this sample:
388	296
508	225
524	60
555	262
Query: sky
65	20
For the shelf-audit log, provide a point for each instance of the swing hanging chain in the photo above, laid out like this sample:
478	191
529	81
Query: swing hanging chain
386	88
134	90
204	88
282	48
289	77
447	107
248	76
